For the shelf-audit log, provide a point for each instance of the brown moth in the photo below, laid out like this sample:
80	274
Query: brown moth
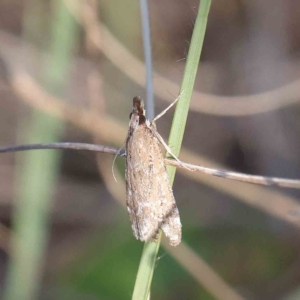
150	200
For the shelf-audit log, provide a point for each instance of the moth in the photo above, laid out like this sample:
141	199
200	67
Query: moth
150	200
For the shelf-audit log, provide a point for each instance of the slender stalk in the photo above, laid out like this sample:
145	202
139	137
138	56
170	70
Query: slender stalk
148	58
187	85
150	250
256	179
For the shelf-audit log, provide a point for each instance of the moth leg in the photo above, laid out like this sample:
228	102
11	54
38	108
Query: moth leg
168	149
165	110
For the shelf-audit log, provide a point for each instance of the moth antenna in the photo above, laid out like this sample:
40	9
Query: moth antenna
113	164
165	110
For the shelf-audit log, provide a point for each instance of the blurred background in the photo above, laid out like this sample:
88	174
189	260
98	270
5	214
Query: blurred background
69	71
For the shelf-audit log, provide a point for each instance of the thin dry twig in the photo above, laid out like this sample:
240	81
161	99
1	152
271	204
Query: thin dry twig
66	145
263	180
256	179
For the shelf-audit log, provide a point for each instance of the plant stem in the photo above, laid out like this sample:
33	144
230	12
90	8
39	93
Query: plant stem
150	250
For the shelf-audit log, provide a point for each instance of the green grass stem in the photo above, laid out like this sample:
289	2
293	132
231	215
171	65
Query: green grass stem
150	250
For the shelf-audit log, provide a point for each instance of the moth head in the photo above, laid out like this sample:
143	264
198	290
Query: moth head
138	109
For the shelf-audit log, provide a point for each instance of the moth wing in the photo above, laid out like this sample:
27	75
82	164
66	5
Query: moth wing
166	208
150	201
139	184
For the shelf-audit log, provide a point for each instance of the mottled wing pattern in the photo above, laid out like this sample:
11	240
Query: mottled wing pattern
150	201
